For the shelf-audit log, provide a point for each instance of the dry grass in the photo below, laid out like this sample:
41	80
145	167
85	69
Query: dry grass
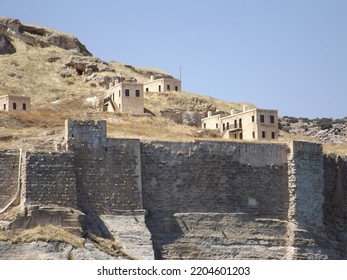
47	233
110	247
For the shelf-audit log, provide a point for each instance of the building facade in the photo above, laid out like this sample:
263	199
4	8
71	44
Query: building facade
125	97
14	103
253	124
162	85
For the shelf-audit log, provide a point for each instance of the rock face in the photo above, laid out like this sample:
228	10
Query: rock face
37	36
5	45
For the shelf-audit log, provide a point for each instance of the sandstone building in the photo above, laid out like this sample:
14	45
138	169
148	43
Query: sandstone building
125	97
253	124
14	103
162	85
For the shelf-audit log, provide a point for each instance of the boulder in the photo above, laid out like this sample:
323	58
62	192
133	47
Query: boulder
6	46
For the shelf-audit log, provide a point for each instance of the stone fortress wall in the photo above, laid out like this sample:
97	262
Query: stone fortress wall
202	199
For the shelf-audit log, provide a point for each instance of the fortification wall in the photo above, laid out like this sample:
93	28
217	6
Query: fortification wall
49	178
108	171
306	185
9	162
335	203
215	177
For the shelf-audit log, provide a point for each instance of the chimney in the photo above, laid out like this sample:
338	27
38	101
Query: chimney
152	78
209	114
232	112
244	108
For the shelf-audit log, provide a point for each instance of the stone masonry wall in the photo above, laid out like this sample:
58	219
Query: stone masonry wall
108	171
306	185
335	203
9	161
49	178
215	177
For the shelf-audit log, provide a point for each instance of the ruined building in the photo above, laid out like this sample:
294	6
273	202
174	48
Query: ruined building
250	124
125	97
14	103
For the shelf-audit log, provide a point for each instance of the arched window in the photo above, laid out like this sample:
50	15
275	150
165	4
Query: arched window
24	106
14	106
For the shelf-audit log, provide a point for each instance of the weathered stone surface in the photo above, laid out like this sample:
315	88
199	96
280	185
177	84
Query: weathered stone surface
41	37
6	46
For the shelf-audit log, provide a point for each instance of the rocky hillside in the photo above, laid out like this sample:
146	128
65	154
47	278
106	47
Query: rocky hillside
65	81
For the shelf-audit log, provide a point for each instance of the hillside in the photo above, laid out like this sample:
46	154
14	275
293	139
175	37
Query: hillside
61	75
60	78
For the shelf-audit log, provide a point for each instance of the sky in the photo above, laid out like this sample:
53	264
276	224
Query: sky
289	55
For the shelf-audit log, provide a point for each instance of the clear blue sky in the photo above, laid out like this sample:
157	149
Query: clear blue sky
287	55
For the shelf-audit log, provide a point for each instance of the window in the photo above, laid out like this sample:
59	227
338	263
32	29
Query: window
168	87
263	135
235	123
14	106
176	88
24	106
227	126
253	134
159	88
235	136
240	123
262	118
127	92
216	125
272	119
273	135
252	118
5	107
241	136
146	88
119	93
205	125
137	93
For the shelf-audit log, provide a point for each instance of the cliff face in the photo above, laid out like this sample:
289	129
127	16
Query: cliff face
36	36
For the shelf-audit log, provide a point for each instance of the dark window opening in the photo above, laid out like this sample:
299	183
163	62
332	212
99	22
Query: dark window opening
216	125
227	126
240	123
4	106
137	93
14	106
119	93
223	126
168	87
272	119
235	123
146	88
24	106
176	88
273	135
241	136
127	92
262	118
253	134
159	88
263	135
106	149
204	125
235	135
252	118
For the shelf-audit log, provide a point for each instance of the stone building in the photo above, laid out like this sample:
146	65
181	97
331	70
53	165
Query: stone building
253	124
14	103
161	85
125	97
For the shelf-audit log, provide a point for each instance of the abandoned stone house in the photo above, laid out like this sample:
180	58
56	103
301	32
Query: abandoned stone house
125	97
162	85
253	124
14	103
